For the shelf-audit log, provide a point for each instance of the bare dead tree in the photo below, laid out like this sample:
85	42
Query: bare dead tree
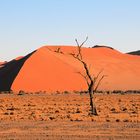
93	82
58	50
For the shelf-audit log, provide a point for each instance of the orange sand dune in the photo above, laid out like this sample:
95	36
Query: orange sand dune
46	70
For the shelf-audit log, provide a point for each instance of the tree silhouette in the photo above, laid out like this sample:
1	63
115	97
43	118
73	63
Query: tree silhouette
92	81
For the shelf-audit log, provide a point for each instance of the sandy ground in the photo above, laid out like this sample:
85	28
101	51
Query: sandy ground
65	116
64	130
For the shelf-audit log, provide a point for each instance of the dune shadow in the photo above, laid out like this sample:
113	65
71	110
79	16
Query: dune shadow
9	72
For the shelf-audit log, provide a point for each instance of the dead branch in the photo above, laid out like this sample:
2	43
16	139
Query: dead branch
79	55
85	77
58	50
95	78
99	82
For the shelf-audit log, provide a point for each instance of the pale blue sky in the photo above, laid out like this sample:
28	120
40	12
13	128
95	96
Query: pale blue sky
28	24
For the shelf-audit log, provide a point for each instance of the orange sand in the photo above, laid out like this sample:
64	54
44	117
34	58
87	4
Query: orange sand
49	71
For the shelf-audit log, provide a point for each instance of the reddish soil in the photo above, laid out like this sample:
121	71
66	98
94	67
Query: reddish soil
65	116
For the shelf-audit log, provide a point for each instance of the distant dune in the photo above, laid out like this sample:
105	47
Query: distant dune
47	70
101	46
134	52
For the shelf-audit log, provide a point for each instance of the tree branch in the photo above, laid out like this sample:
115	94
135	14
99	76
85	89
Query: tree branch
95	78
84	42
85	77
99	83
79	55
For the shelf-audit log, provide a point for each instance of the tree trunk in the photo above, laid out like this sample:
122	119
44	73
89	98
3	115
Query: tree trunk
93	110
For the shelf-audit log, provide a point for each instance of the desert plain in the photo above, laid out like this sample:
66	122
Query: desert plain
60	116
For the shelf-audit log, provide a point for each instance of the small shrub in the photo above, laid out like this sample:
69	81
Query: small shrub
113	109
117	120
51	118
78	110
117	92
134	112
108	92
21	92
6	113
11	113
124	109
57	111
12	108
66	92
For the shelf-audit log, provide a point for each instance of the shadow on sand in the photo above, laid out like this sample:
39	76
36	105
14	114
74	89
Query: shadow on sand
9	72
